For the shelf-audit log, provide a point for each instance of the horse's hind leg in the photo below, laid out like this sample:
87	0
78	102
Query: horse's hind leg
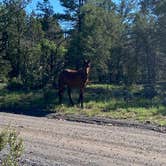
81	98
69	94
60	94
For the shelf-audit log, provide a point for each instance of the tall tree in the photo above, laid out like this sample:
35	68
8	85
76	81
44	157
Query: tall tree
160	35
99	29
72	13
144	30
49	23
12	23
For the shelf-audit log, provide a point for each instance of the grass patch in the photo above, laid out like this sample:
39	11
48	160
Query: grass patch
100	100
12	147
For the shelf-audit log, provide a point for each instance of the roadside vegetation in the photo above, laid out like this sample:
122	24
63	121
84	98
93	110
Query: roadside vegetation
134	102
124	41
11	145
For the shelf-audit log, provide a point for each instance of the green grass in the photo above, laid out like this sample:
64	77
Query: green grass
12	145
100	100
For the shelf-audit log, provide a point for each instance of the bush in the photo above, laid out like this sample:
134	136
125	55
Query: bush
15	84
149	92
47	92
10	142
164	101
117	93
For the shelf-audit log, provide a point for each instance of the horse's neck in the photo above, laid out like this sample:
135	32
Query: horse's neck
84	72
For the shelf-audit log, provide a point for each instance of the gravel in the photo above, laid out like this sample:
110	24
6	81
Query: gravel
51	142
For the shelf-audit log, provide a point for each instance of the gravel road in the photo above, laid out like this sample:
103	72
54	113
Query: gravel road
50	142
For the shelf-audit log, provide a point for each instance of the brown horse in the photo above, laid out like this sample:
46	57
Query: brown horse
74	79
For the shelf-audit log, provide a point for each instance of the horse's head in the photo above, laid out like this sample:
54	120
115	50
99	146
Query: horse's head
86	66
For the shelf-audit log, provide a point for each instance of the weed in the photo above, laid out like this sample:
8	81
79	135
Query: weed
100	100
13	145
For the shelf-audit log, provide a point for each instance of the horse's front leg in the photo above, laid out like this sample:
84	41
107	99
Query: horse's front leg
80	100
69	94
60	93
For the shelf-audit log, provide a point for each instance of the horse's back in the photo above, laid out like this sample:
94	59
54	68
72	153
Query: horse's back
69	71
71	78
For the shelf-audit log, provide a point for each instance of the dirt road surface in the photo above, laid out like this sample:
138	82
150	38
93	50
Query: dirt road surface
50	142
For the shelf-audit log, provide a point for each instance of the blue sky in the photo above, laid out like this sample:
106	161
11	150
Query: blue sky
55	3
56	6
57	9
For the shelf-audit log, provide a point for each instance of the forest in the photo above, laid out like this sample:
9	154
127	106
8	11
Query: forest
124	40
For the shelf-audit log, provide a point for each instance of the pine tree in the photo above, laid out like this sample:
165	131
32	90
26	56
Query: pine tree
49	23
12	23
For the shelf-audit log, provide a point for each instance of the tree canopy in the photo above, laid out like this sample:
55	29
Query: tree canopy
125	41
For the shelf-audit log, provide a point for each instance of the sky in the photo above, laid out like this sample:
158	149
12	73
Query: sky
56	6
55	3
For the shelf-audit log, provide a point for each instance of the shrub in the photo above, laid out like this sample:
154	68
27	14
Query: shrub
164	101
13	145
15	84
149	91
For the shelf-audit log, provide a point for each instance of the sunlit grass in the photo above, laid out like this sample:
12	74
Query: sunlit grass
99	100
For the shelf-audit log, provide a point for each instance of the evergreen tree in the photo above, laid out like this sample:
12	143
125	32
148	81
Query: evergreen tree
72	12
12	23
49	23
160	35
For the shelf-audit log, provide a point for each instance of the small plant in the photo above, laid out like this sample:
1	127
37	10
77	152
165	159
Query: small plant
13	145
15	84
149	92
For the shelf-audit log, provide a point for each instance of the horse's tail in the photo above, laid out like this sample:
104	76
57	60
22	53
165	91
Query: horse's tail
61	80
